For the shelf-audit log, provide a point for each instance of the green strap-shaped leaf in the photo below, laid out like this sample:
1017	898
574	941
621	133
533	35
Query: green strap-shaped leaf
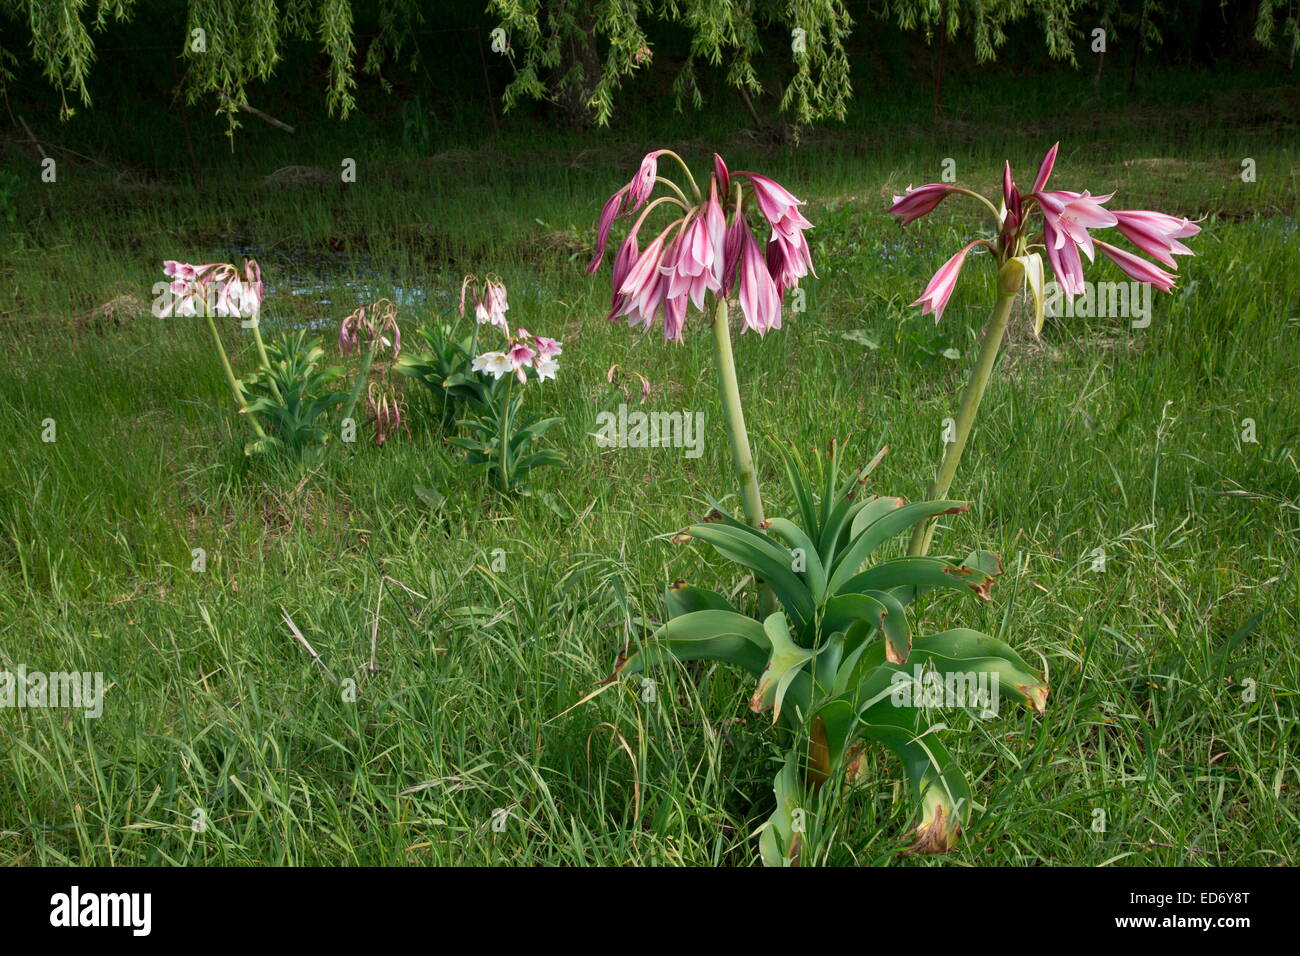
698	625
967	651
703	635
786	663
895	628
766	558
871	511
778	843
682	598
794	536
881	610
881	530
729	648
936	782
920	574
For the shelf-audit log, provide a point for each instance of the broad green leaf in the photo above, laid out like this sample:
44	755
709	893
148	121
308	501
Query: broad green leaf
967	651
871	511
921	574
765	557
937	783
728	648
881	530
794	536
698	625
778	843
787	662
682	599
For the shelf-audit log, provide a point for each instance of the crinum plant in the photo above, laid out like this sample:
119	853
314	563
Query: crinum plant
443	361
838	665
708	248
1026	226
293	395
499	438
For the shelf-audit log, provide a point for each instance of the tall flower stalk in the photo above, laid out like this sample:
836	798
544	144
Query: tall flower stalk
377	324
1061	229
706	250
219	290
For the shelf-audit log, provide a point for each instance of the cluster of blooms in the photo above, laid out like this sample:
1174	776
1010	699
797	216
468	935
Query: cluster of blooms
490	303
700	251
386	411
378	326
1066	218
523	350
216	288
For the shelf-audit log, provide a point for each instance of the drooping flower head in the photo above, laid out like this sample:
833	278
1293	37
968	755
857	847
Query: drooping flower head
1062	229
386	412
215	288
374	325
708	246
489	300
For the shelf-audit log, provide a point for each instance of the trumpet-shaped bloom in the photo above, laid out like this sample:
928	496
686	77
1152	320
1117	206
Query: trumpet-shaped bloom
545	367
1156	233
760	297
939	289
547	348
495	364
375	326
1135	267
489	300
922	200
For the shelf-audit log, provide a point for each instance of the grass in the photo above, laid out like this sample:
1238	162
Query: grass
221	741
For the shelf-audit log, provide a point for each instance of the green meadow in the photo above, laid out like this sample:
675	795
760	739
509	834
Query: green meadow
1168	451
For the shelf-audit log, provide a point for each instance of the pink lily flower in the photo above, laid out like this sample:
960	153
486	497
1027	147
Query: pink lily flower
379	327
922	200
1135	267
642	288
643	183
1156	234
721	175
939	289
489	300
760	297
547	348
624	202
731	247
521	357
628	253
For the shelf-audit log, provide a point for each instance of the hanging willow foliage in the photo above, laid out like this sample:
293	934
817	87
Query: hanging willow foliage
987	20
226	44
576	53
553	44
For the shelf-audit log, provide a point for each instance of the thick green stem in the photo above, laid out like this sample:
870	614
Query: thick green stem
262	356
994	330
729	391
236	388
504	420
